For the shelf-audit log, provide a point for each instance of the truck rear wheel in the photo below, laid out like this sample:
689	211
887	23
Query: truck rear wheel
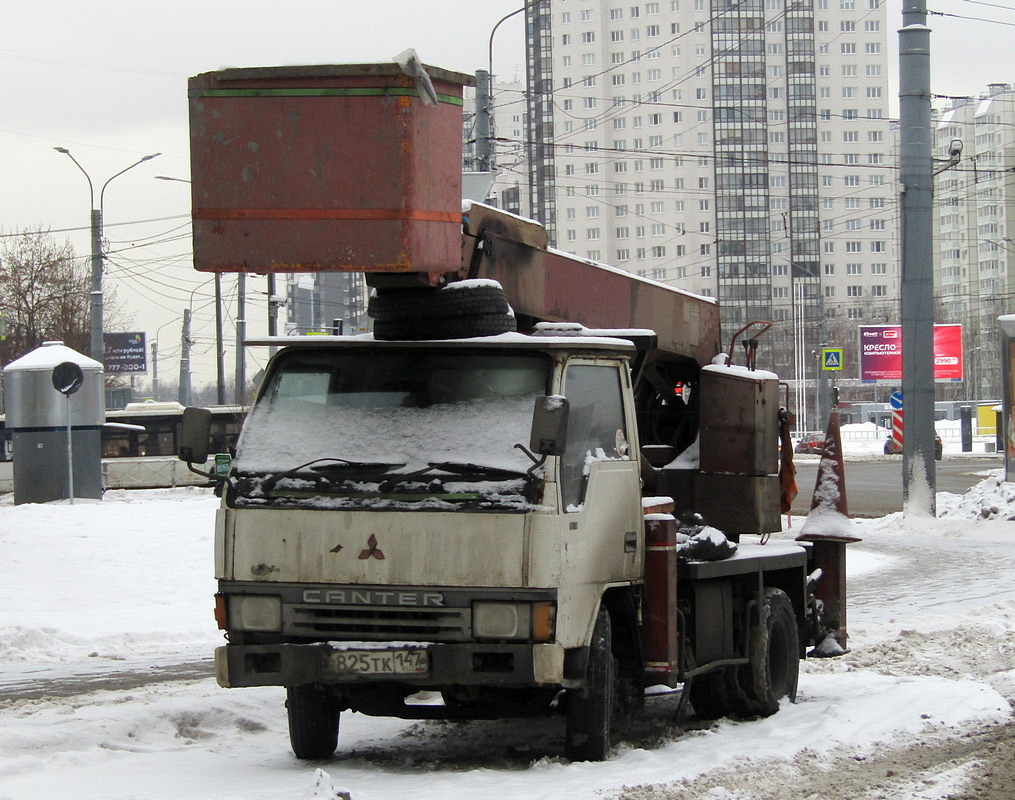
313	721
774	653
590	710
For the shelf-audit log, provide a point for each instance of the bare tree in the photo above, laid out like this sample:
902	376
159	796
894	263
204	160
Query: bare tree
44	294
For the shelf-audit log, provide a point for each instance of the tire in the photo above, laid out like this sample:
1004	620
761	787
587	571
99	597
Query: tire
590	710
774	653
453	300
313	721
713	695
462	327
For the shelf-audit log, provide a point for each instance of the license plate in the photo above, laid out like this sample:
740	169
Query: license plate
379	662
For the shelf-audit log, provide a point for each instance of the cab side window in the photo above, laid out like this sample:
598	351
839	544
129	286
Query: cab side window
595	429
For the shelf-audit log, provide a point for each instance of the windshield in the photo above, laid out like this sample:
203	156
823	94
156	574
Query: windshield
387	420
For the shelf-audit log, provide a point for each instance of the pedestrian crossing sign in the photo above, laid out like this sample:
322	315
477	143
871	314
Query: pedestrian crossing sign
831	358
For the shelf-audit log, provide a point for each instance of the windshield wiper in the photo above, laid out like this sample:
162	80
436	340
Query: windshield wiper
324	466
453	467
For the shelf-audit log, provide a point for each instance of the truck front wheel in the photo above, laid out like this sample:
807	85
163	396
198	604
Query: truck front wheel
313	721
590	710
774	653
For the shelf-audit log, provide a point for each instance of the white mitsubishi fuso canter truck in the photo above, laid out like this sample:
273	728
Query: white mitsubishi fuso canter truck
537	487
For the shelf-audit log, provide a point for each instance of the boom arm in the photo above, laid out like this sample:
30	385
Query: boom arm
547	285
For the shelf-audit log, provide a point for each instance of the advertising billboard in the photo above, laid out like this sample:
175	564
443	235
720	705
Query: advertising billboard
124	352
881	353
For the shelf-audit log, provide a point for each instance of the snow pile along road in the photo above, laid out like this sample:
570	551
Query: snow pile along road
916	709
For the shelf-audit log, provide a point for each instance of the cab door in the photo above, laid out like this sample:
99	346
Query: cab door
599	477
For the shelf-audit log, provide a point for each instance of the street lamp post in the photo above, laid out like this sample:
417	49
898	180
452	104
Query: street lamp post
96	350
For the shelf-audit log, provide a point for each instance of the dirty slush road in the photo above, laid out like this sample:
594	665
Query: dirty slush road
920	580
936	606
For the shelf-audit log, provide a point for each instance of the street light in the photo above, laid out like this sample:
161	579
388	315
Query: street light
95	345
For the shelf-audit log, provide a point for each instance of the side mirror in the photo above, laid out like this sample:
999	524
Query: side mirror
195	435
549	425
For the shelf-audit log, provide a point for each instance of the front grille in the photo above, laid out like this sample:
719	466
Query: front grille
377	623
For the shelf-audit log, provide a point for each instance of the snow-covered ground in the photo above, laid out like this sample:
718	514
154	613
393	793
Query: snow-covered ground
123	586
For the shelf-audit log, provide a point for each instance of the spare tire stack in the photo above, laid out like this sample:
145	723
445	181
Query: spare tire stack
458	310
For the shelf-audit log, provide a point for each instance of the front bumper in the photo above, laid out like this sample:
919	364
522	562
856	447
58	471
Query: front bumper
461	664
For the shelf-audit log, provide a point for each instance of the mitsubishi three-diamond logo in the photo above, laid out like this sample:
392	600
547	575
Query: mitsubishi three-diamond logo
372	551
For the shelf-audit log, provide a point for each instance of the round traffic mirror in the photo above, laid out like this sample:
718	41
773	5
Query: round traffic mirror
67	378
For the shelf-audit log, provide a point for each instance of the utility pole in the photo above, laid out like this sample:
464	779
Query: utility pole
155	371
241	334
96	349
272	312
185	360
220	355
484	140
917	285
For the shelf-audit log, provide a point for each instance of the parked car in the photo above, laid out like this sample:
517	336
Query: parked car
810	444
893	449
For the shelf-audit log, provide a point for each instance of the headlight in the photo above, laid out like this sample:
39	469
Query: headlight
492	620
255	612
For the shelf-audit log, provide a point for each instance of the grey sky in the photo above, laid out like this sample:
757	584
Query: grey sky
108	80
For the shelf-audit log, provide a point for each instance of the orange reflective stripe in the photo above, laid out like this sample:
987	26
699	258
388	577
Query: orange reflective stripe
327	213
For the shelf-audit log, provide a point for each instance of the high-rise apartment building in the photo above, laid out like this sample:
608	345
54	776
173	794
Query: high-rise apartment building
735	148
321	302
975	207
